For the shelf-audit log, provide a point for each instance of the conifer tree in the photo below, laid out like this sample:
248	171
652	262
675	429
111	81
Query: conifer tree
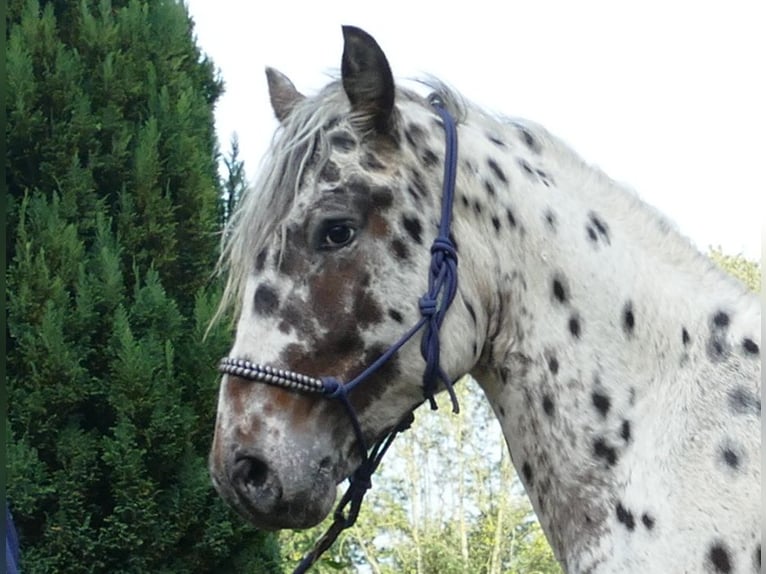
113	215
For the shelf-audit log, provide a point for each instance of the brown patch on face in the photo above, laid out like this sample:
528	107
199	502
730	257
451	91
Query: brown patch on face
373	387
298	406
331	289
296	318
294	257
274	400
367	310
237	392
336	354
377	225
342	302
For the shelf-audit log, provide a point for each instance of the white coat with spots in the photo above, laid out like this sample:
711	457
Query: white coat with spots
623	366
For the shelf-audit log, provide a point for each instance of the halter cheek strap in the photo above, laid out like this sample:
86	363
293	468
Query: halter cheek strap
433	305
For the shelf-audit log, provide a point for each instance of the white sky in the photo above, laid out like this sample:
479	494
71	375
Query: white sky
666	96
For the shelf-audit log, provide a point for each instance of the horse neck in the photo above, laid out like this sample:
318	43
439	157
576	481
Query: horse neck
590	302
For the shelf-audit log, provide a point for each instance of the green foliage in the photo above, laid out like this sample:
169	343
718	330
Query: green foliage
445	501
235	182
113	196
112	103
749	272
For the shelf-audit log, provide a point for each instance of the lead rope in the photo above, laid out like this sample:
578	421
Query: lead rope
442	288
359	483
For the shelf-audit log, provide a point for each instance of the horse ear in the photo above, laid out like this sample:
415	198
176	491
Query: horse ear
282	92
367	78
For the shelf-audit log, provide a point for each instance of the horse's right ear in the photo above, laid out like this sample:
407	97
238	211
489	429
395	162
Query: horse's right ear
367	78
283	94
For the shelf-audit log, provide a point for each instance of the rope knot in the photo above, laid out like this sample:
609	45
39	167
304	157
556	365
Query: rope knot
427	306
361	483
333	388
445	247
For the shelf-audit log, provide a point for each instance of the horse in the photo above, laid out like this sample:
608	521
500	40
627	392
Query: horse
622	365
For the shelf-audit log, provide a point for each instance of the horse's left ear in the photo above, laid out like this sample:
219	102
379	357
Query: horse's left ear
367	78
283	94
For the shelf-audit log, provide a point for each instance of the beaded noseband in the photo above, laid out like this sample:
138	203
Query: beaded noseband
442	287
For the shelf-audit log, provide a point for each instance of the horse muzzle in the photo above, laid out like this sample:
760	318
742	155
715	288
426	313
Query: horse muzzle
272	496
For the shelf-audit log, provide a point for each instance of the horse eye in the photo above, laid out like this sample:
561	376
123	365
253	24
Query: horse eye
338	235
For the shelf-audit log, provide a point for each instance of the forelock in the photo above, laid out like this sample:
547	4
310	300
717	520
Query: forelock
263	207
300	140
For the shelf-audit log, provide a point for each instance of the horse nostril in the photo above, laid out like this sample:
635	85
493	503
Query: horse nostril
256	484
250	471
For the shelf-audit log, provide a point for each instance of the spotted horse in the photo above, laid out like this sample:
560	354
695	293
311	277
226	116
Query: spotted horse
622	365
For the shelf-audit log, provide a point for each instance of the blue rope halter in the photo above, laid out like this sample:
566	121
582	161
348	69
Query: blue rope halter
442	288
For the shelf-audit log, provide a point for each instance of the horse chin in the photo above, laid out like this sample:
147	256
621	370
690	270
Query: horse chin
297	512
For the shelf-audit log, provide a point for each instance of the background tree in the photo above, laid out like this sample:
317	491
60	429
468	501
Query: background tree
749	272
111	239
446	501
235	182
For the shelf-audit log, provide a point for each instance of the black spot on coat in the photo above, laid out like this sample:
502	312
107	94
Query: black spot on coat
625	516
602	449
730	458
413	226
744	402
574	326
526	470
601	402
559	290
628	318
499	173
750	346
415	135
399	248
647	520
553	364
526	167
495	140
600	226
720	558
625	430
266	300
529	140
721	320
548	406
717	347
511	218
395	315
550	220
429	158
471	311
